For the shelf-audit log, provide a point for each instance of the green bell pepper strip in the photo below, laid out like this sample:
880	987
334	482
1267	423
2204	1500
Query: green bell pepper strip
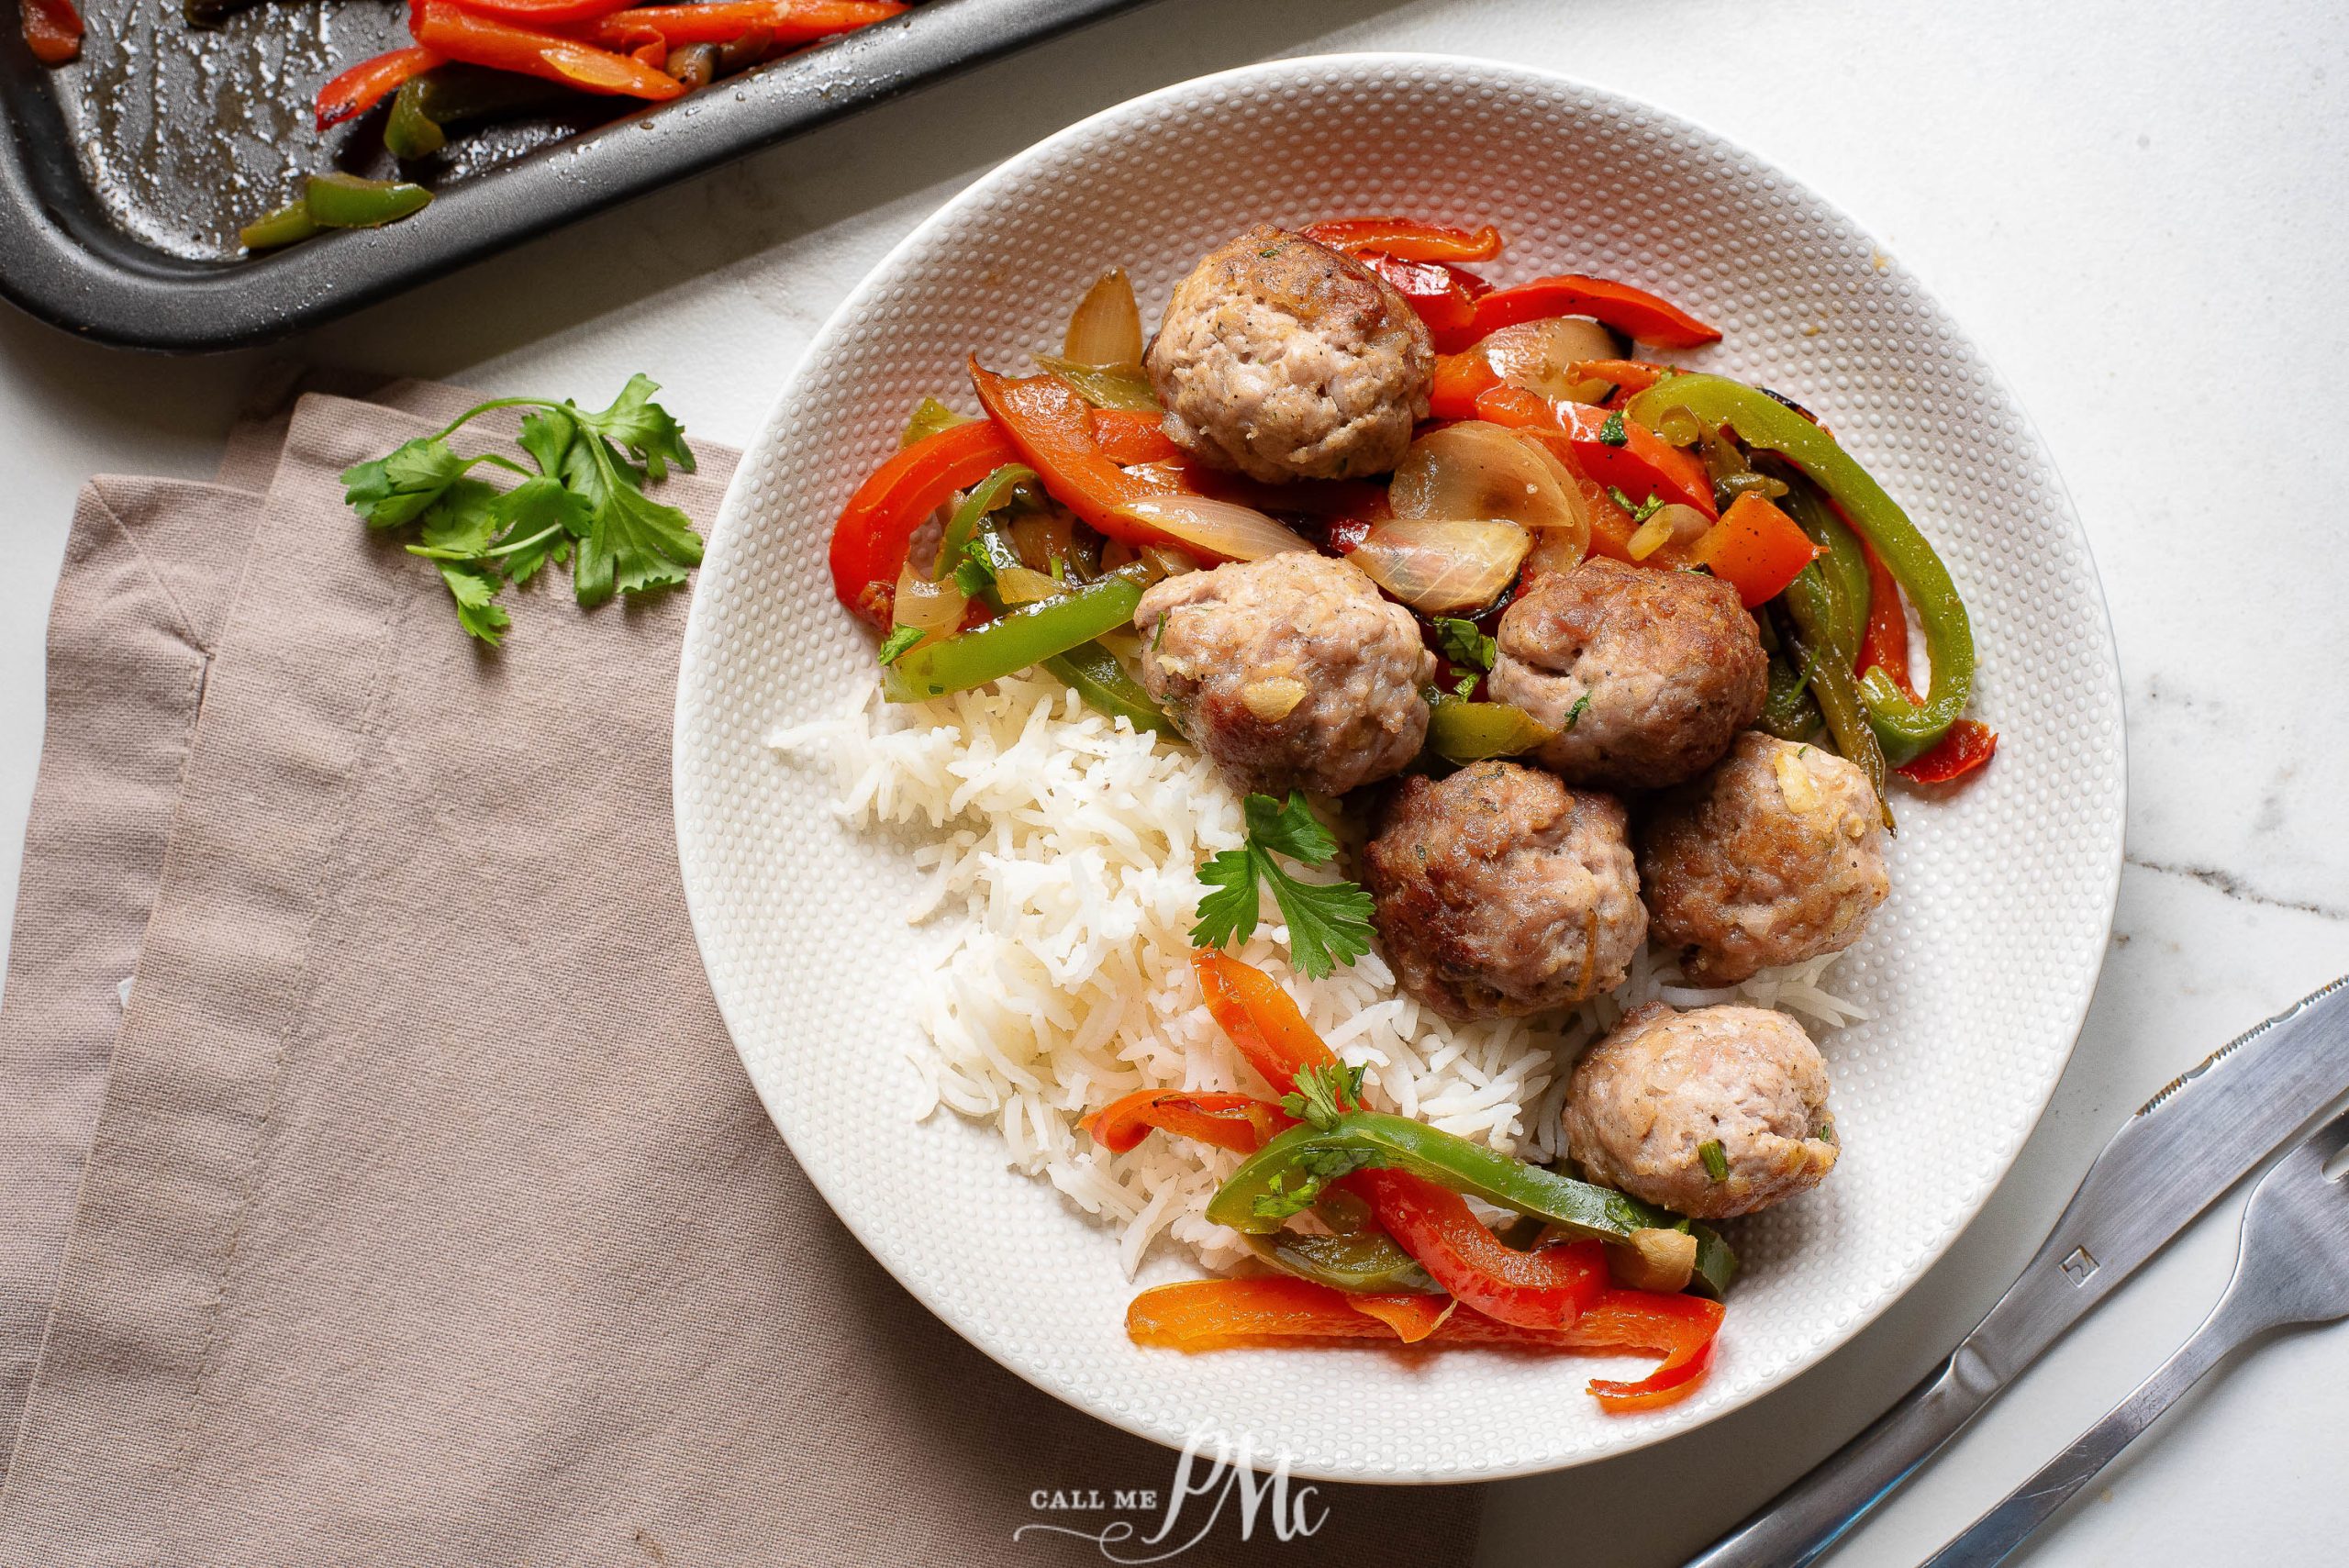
1029	635
1788	711
287	224
1472	731
1091	670
1828	602
1367	1262
1902	727
1374	1137
337	200
1844	567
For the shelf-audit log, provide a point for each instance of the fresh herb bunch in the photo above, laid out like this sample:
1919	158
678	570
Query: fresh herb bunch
1329	923
585	504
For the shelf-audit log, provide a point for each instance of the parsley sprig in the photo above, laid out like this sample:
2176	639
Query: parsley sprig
585	504
1322	1094
1329	923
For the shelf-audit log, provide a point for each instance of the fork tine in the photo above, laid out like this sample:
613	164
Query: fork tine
2328	1140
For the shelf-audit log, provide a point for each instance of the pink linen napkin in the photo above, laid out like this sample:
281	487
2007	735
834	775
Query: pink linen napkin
408	1205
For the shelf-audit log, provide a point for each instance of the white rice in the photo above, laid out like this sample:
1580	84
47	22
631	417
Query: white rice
1068	846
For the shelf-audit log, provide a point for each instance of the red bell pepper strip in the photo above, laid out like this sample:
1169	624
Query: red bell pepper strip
1967	746
1241	1122
1260	1019
1757	548
1883	644
1222	1314
52	30
370	82
450	31
869	541
1629	310
1052	428
1460	380
1442	301
1413	1317
544	13
1406	239
1548	1288
1130	436
1608	445
723	21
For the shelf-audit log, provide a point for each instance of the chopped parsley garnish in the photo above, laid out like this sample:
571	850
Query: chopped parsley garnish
1612	433
585	505
1643	510
1463	644
974	574
895	646
1299	1184
1329	923
1574	714
1323	1094
1716	1159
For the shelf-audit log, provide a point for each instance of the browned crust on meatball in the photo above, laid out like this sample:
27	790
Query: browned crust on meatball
1647	675
1501	891
1282	359
1774	856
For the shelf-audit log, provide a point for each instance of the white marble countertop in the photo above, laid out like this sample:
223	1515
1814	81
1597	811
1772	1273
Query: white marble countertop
2136	209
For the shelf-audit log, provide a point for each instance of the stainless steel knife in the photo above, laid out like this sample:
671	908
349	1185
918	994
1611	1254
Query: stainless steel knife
2171	1161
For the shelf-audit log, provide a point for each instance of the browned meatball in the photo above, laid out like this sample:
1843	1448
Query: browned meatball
1647	675
1500	891
1644	1102
1284	359
1291	671
1774	856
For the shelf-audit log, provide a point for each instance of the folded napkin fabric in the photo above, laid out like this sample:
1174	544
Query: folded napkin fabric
411	1207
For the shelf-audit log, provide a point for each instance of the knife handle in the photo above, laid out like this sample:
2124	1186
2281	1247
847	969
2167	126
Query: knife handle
1794	1529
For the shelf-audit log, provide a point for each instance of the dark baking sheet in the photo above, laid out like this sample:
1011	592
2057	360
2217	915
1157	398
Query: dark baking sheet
125	175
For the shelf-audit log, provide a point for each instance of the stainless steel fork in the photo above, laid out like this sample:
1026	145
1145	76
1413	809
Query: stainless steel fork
2293	1268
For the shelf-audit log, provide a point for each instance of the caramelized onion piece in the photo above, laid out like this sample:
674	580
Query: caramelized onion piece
1106	328
1439	565
1478	470
1220	530
1538	356
936	608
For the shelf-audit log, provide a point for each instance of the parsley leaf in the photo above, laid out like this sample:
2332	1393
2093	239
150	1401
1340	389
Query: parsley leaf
1463	644
1323	1094
1574	714
894	646
1299	1186
585	506
1612	433
1329	923
1641	512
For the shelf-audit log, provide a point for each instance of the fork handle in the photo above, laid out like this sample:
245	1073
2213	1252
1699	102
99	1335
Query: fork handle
1991	1538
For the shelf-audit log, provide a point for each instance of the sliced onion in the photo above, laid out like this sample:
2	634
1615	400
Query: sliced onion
1539	356
1272	698
1105	386
1561	547
1223	531
936	608
1672	524
1018	586
1438	565
1106	328
1478	470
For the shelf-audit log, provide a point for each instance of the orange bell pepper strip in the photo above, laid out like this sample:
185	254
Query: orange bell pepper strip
1884	642
1632	311
1241	1122
1224	1314
1630	377
1413	1317
370	82
1130	436
450	31
1259	1018
1757	548
1052	427
1460	380
52	30
1967	746
1547	1288
1608	445
1406	239
876	527
1442	302
723	21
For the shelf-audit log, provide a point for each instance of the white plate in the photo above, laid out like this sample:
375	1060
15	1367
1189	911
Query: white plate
1978	969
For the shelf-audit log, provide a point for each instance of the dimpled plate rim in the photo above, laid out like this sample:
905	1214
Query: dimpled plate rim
2038	838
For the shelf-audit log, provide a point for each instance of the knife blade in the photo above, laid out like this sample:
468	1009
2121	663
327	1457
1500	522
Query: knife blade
2185	1148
